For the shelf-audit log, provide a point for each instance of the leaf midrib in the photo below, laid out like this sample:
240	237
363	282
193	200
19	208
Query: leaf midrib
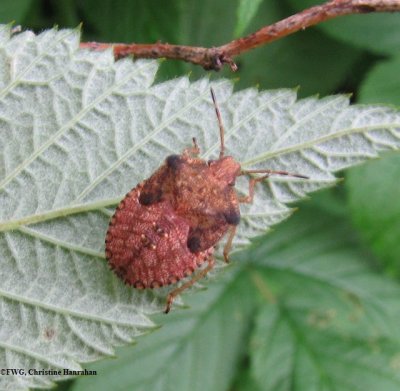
63	311
10	225
314	142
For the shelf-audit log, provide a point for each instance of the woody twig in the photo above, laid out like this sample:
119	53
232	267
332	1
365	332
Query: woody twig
215	58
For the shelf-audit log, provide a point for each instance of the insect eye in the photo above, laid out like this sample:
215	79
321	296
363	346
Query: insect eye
232	217
173	161
194	244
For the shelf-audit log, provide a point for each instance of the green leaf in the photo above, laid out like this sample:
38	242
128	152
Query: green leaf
309	59
373	193
290	352
139	21
153	24
377	32
14	11
245	13
324	316
382	83
197	349
328	321
208	22
78	131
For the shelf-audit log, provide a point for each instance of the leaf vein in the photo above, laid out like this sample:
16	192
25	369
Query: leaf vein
76	118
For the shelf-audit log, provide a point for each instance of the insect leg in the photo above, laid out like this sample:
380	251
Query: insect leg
274	172
252	183
195	150
228	244
171	295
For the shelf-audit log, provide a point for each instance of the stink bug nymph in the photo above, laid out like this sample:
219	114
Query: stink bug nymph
167	226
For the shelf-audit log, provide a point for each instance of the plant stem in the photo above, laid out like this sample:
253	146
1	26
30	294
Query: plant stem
215	58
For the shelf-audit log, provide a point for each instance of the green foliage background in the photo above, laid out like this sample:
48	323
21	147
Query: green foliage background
259	327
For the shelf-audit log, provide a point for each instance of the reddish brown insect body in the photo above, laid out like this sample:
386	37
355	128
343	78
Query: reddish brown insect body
168	225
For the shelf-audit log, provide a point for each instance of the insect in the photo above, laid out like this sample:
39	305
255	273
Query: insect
167	226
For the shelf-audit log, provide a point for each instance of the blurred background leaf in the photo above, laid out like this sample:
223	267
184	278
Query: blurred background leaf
312	60
245	13
373	189
374	194
196	349
14	11
309	59
378	33
382	83
322	317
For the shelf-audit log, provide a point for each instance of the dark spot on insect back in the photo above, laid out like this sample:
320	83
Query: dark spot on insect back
149	198
174	161
232	217
120	271
193	244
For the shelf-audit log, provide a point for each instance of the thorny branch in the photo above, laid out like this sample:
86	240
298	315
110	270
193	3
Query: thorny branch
215	58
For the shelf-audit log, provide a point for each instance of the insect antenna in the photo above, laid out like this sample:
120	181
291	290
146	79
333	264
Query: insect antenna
221	126
274	172
195	149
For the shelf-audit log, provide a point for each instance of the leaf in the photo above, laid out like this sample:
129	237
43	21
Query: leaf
377	32
373	191
382	83
245	13
328	322
14	11
137	21
311	278
309	59
291	353
373	198
153	24
78	131
197	349
202	24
